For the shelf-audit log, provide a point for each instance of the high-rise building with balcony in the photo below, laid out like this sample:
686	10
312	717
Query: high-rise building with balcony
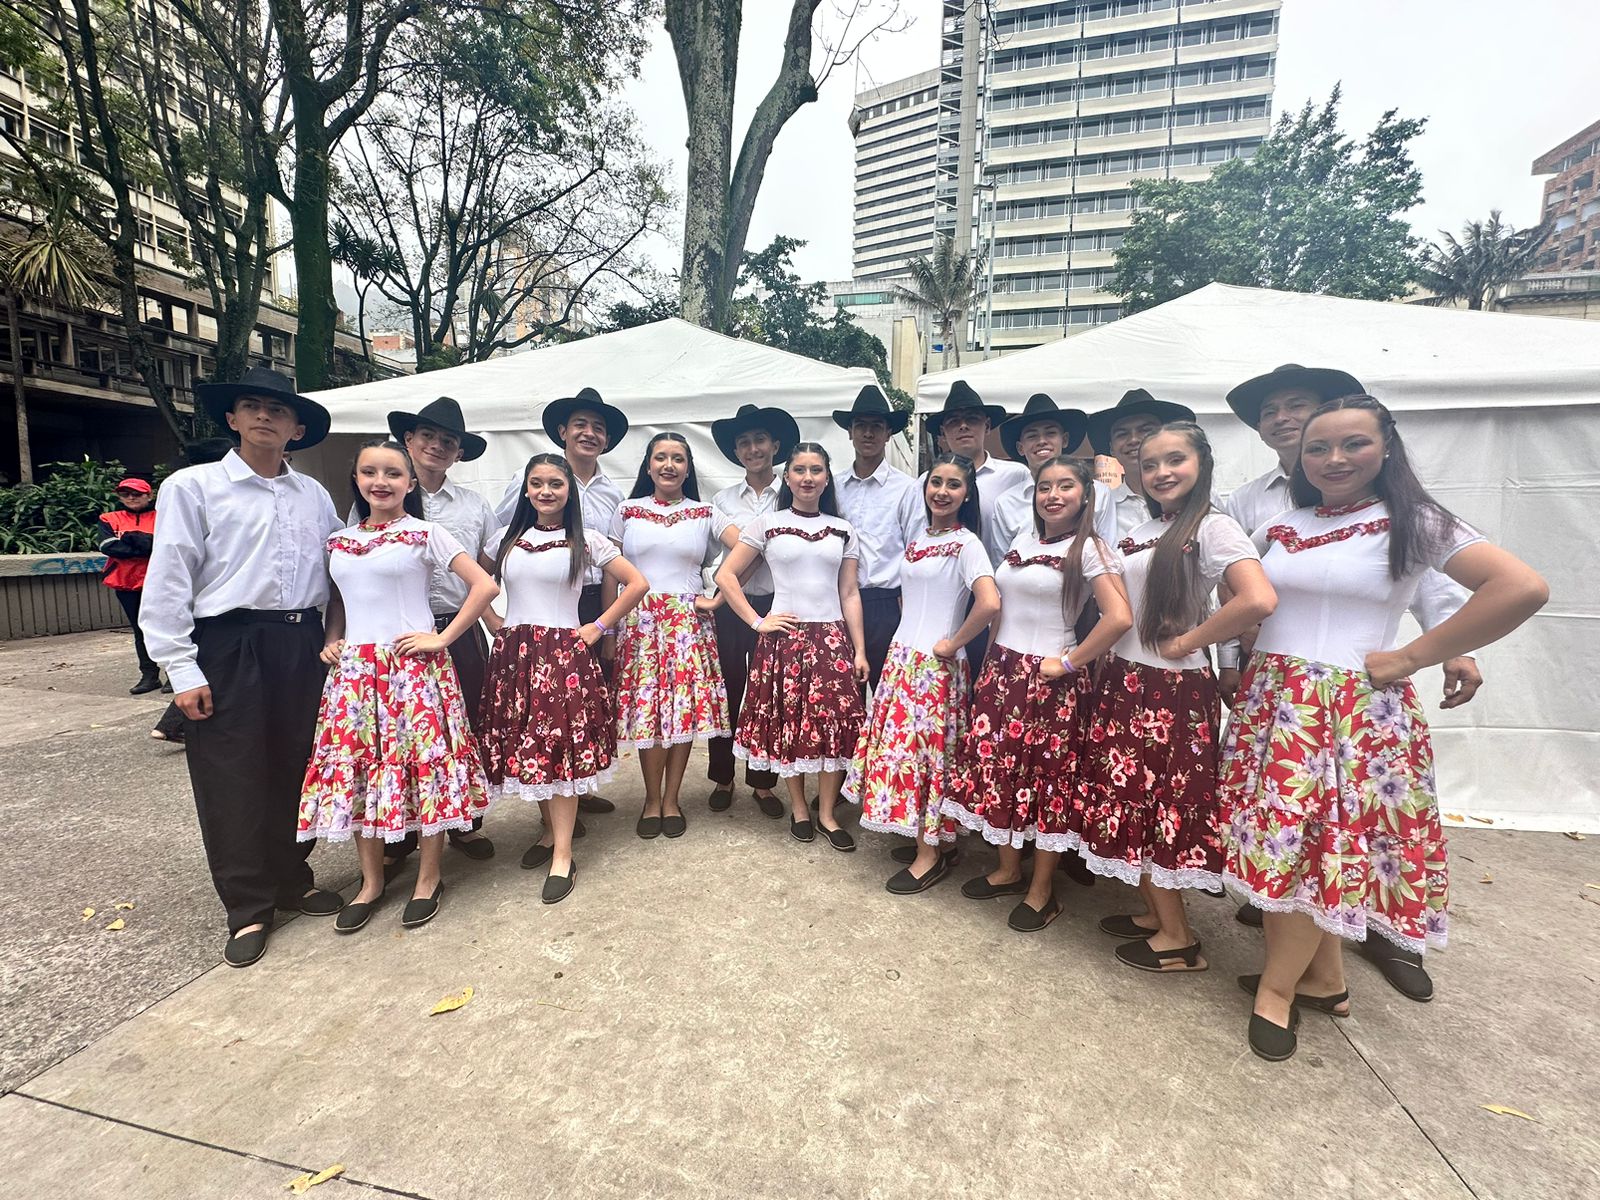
894	128
1572	202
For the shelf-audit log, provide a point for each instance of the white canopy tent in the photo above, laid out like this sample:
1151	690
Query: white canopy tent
1500	413
666	375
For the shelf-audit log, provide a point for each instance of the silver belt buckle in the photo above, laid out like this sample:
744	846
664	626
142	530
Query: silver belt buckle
293	618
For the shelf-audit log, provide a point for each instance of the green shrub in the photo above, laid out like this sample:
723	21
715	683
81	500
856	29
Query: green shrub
59	515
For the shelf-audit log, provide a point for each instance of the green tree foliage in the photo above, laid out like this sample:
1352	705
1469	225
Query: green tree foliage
1488	255
652	308
58	515
946	284
1313	211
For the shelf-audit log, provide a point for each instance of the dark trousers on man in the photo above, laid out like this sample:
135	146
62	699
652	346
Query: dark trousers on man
880	617
129	599
591	603
247	761
735	643
469	654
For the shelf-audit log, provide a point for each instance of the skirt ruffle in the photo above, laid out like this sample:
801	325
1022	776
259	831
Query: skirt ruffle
1017	767
1148	791
669	679
904	760
802	711
548	727
393	752
1328	789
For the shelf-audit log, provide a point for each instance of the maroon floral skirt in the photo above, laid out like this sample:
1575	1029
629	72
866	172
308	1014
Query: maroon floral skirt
802	709
547	725
1148	792
1019	757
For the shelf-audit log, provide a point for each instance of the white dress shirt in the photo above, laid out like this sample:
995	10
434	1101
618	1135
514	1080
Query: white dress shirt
1131	509
739	506
1013	514
996	477
885	510
471	522
227	538
600	498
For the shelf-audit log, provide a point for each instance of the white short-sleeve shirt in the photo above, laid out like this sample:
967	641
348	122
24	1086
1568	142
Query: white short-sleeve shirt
671	544
1218	544
1330	568
805	554
534	576
737	506
937	573
383	575
1033	619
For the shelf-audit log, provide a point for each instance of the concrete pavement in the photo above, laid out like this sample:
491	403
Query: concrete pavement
728	1014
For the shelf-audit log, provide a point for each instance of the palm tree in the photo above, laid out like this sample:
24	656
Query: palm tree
1488	255
945	283
54	260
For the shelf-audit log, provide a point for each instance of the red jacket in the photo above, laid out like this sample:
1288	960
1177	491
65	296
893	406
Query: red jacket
125	540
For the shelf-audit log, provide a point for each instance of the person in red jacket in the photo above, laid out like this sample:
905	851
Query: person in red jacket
126	536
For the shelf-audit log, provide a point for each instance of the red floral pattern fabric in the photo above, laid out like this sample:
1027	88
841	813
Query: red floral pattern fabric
339	544
811	535
803	710
697	512
669	678
1289	537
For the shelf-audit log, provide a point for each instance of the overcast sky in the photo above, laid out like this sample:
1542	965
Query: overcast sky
1499	85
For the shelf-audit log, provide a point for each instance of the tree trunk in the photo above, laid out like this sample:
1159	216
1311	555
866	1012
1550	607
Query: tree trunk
19	388
313	256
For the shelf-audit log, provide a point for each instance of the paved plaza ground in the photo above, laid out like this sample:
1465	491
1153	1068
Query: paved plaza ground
726	1015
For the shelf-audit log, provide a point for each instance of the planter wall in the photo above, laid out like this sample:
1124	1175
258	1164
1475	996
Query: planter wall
43	594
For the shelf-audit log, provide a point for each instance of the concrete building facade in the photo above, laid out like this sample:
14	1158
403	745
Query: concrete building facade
894	128
1572	202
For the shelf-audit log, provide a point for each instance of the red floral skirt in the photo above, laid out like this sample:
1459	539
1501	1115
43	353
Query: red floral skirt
393	752
903	763
1148	791
802	711
1018	761
546	720
669	678
1328	787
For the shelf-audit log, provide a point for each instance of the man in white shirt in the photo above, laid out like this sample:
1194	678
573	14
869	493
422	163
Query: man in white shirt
1119	431
1042	431
1277	406
230	611
884	506
758	439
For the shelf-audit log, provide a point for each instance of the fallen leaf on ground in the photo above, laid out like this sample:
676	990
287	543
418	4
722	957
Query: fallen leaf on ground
1457	817
125	905
451	1003
87	913
119	923
300	1185
1501	1110
1482	820
1487	878
1577	837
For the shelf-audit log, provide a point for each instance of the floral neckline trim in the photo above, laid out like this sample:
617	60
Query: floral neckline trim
368	527
555	544
1289	537
665	519
809	535
1060	537
548	528
916	552
1013	559
1341	510
800	512
657	500
342	544
932	532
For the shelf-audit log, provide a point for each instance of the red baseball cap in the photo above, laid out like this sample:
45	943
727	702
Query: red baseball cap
133	485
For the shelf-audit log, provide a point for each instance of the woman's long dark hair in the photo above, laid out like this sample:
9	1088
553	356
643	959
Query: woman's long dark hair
525	516
828	502
1175	591
1415	517
1072	581
645	486
413	501
969	515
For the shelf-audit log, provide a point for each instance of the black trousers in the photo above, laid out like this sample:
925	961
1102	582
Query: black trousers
469	654
735	643
978	646
591	603
880	617
129	599
247	761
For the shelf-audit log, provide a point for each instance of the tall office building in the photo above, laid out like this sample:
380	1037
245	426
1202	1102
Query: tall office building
894	128
1055	108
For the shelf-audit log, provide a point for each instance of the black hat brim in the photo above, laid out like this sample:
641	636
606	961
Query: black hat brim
557	413
217	399
1329	383
402	423
1100	423
1073	422
897	419
778	424
996	415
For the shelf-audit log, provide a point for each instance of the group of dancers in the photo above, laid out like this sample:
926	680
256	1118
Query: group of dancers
1003	646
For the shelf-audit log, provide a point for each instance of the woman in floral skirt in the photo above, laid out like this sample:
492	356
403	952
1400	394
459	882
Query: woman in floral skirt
903	762
393	751
803	711
1018	761
669	679
1148	811
1328	774
549	728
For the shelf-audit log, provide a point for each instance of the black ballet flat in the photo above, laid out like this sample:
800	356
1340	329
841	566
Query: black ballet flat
674	826
904	883
1248	914
981	889
839	839
769	804
1273	1042
1328	1004
1142	957
648	827
1402	968
245	948
353	915
420	912
1077	870
537	856
558	887
1124	926
1027	919
802	831
320	903
479	849
721	799
595	804
906	855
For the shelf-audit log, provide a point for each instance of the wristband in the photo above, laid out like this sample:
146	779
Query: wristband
601	626
1066	661
756	624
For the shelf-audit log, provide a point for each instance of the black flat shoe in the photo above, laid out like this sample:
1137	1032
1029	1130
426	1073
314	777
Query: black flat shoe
393	869
1141	956
769	804
1402	968
1273	1042
578	828
319	903
166	687
674	826
648	827
245	948
537	856
353	916
147	683
1025	918
904	883
981	889
595	805
906	855
1124	926
1248	914
839	839
420	912
1328	1004
558	887
802	831
721	799
479	849
1077	870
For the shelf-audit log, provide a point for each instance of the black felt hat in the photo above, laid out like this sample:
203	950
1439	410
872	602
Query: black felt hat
1137	402
558	412
1325	382
443	413
779	424
217	399
963	399
1074	422
870	402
